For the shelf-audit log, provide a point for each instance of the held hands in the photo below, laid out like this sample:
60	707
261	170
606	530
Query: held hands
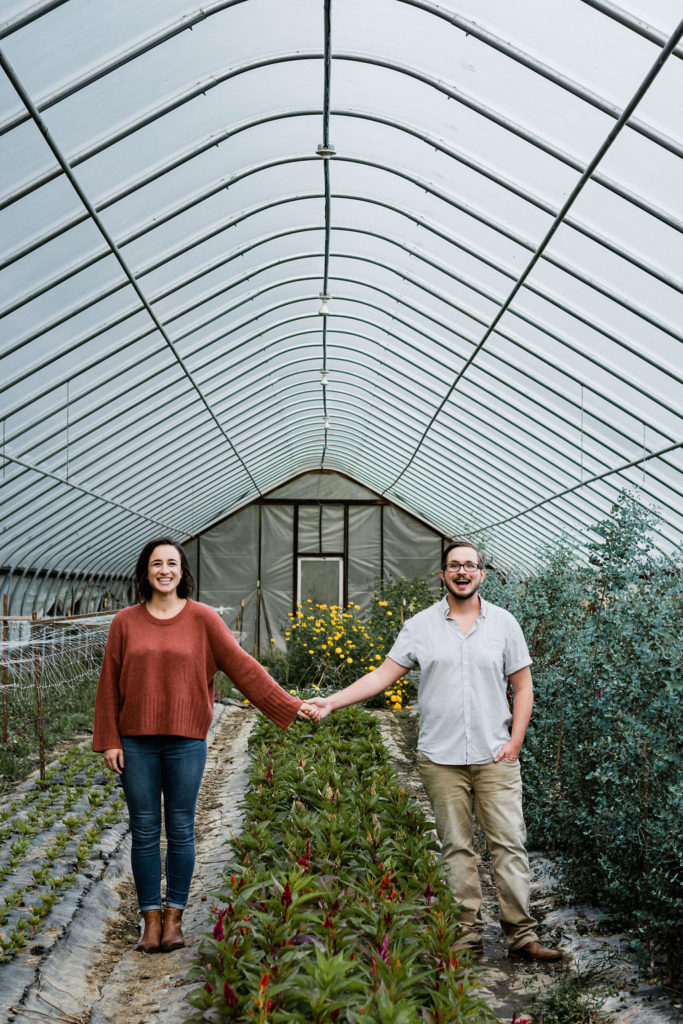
323	706
315	709
309	711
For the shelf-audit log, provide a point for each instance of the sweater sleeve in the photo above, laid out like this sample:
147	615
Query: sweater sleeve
250	677
105	729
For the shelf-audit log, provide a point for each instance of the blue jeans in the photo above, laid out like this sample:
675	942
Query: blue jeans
172	766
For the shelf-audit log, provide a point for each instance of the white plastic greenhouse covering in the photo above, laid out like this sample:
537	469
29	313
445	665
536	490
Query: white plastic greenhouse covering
433	247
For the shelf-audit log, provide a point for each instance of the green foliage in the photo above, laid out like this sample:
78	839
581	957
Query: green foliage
398	599
67	710
329	647
603	778
333	906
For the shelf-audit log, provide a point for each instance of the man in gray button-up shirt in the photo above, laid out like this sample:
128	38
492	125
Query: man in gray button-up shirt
468	652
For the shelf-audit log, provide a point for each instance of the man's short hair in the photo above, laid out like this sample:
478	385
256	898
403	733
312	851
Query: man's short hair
462	542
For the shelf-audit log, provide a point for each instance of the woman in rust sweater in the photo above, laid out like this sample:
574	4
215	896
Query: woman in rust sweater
153	709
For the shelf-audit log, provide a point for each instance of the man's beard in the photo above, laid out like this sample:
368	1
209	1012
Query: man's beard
463	596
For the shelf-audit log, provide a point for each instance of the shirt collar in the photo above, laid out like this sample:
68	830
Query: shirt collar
445	607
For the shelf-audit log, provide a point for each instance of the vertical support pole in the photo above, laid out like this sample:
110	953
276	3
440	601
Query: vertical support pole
265	611
295	557
37	683
345	559
257	634
5	638
381	547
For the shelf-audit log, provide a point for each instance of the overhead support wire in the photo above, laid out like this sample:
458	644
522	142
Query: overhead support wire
26	17
585	483
59	156
573	196
189	21
629	20
474	29
471	102
86	490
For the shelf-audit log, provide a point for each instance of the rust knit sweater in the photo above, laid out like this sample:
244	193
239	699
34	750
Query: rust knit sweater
157	676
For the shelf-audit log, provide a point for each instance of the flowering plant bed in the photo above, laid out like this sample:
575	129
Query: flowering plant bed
333	907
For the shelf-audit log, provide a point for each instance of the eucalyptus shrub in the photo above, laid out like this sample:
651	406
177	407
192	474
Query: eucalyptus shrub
602	762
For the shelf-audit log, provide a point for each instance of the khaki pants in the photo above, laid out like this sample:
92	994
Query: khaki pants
495	791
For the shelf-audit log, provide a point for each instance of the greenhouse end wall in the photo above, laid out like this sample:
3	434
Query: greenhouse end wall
249	565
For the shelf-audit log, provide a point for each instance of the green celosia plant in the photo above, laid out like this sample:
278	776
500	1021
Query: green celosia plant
333	905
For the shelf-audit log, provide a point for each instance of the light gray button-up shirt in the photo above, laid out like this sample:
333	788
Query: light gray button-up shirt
464	713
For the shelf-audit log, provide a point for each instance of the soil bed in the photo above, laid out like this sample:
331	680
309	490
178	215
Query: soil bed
91	975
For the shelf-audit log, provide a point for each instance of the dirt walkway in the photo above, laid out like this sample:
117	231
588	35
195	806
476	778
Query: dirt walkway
93	976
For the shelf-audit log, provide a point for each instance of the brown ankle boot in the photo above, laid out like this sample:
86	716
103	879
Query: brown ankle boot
172	935
151	937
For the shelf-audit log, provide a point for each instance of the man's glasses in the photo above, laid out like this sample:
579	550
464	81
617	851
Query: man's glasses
469	567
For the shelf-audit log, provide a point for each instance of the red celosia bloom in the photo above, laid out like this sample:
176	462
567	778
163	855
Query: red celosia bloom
286	898
386	882
218	932
306	859
229	995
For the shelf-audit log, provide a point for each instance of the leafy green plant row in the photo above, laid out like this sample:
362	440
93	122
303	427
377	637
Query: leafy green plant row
333	907
602	759
58	823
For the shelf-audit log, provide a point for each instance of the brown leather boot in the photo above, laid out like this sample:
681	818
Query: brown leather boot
172	935
151	937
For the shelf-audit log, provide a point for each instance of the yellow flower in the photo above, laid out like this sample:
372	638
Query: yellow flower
337	650
389	612
293	691
349	661
310	651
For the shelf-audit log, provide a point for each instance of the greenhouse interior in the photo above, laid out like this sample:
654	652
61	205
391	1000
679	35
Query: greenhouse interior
312	288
